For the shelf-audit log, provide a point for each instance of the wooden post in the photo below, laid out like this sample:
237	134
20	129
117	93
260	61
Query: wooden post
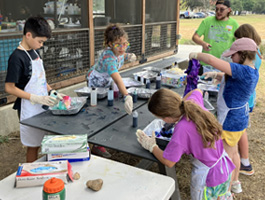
143	27
178	21
91	33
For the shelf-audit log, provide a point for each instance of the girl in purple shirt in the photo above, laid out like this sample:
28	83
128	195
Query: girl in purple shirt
196	133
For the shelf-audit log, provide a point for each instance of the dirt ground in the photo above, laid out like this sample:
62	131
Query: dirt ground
12	153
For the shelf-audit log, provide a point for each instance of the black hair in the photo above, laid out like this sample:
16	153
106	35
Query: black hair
38	27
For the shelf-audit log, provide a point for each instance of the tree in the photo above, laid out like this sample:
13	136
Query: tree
248	5
236	5
259	6
192	4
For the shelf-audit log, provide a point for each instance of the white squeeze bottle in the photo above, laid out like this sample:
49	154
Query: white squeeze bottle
93	97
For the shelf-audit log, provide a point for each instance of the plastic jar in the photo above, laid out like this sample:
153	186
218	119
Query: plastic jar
53	189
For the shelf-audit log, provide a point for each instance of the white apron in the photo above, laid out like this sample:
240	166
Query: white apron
222	109
37	85
199	175
100	79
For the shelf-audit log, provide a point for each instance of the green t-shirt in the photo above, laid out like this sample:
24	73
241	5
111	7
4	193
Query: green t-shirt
219	34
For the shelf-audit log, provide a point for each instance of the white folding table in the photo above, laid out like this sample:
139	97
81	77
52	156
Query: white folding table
120	182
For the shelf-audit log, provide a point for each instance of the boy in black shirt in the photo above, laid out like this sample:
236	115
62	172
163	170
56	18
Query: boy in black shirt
27	81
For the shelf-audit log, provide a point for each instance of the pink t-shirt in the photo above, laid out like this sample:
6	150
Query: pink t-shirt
186	140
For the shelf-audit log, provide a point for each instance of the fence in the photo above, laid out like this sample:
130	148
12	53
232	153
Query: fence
66	54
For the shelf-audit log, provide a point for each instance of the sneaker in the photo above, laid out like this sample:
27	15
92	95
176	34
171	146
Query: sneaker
236	187
247	170
228	196
100	151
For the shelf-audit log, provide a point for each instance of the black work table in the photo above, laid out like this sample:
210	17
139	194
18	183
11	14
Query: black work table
90	120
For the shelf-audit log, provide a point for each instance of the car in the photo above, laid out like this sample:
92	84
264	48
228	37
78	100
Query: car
186	14
200	14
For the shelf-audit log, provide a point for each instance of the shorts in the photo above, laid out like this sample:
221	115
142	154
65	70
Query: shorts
212	193
232	137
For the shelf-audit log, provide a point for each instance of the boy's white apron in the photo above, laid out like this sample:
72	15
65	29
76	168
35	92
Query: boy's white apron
36	85
199	175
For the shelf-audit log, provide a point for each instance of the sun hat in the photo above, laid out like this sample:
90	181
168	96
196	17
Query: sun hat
242	44
224	2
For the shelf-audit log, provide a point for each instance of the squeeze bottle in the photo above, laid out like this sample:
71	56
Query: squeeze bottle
93	97
53	189
110	96
135	118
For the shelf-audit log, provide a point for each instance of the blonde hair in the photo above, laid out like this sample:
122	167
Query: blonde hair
166	103
112	33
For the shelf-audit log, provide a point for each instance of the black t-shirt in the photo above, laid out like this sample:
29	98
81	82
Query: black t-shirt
19	71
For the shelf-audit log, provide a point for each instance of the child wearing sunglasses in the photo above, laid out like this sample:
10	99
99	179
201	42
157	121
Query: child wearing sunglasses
109	62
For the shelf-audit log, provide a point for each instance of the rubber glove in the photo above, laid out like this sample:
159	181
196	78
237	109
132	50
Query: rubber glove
44	100
210	75
54	93
128	104
132	57
193	55
147	142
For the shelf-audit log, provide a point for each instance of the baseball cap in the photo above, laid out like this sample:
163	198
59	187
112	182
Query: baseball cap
242	44
224	2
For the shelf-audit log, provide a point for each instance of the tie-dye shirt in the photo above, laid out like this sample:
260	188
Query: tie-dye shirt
108	62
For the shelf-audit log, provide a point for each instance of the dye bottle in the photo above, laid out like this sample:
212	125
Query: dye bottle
206	95
52	94
147	85
93	97
135	96
53	189
158	81
116	91
135	118
110	96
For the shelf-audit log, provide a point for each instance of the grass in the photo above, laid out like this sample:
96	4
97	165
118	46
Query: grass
3	139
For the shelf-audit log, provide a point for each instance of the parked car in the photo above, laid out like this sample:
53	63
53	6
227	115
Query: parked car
186	14
211	13
200	14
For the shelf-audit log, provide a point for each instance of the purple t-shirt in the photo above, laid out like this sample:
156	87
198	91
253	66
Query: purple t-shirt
186	140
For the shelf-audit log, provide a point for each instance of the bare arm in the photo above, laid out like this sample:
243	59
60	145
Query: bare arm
12	89
196	38
158	153
215	62
118	80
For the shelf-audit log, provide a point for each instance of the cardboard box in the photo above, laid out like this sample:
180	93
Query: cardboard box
37	173
64	144
71	157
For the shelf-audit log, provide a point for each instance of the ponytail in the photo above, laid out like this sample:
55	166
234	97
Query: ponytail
166	103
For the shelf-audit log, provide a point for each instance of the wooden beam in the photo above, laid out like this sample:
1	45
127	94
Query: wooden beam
91	33
143	27
178	20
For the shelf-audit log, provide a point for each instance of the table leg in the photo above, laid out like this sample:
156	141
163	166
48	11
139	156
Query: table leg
171	172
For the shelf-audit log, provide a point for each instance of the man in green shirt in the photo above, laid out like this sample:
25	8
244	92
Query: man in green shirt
218	32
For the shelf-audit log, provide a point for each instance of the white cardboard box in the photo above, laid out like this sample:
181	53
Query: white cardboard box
37	173
64	144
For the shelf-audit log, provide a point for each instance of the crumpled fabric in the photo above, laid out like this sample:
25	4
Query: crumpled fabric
192	75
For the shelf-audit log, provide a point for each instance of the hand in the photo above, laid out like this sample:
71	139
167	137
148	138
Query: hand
206	46
193	55
128	104
147	142
208	75
44	100
132	57
56	94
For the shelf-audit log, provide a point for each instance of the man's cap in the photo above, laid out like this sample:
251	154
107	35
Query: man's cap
242	44
224	2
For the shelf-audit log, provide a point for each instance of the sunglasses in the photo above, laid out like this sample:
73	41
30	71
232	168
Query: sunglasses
220	9
124	45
